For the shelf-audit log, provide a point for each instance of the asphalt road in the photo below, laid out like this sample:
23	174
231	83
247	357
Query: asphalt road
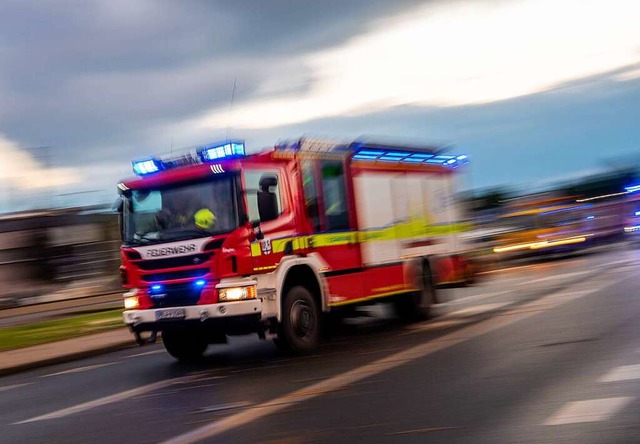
547	352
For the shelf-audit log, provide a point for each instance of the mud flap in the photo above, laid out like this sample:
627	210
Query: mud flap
142	341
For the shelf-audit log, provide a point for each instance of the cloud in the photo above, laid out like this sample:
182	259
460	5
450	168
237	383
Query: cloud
103	83
453	54
21	171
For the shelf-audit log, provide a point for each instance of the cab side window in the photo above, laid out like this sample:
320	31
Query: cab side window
262	193
310	194
335	196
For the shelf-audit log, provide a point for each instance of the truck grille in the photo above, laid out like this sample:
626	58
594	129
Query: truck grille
173	275
177	295
183	261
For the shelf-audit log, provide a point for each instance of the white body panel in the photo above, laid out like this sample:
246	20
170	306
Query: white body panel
401	212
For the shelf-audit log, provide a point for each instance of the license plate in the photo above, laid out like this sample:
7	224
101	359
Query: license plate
172	313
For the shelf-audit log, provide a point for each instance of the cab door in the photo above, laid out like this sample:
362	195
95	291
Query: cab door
333	229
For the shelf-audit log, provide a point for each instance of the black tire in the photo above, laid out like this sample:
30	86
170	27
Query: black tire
415	306
184	345
299	330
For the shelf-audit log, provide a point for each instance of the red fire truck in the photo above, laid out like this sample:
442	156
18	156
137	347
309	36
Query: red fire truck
217	243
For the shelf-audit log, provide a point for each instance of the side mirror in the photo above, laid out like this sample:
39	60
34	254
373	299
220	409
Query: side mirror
259	234
118	205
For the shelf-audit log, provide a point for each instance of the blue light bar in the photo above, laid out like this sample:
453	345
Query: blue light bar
156	287
395	155
371	152
637	213
632	189
590	217
364	157
225	150
421	156
200	283
146	166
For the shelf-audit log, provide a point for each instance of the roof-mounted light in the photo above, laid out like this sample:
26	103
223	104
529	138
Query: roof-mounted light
146	166
413	157
225	150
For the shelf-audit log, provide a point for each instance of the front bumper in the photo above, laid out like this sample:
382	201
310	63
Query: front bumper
223	315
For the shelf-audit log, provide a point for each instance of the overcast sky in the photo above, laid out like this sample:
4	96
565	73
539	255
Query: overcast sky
533	90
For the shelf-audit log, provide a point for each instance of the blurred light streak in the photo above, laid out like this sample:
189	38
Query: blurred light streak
541	245
602	196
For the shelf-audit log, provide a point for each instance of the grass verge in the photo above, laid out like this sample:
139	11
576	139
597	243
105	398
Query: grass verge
58	329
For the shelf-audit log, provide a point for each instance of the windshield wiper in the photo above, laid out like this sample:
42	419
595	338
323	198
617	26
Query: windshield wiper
138	240
184	235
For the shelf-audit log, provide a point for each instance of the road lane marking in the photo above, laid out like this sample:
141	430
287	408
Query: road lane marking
222	407
427	430
108	399
79	369
591	410
477	309
14	386
622	373
342	381
154	352
558	276
475	297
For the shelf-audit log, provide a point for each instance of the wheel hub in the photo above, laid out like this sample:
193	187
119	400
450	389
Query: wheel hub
301	319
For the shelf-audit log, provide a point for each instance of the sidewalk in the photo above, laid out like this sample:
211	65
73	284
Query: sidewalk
13	361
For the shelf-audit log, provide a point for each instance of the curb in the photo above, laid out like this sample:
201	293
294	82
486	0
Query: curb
68	357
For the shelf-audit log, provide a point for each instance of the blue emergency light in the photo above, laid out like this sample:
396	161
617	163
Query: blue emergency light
204	154
146	166
412	157
226	150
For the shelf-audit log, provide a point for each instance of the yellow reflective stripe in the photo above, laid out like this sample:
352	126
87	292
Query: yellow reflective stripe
353	301
333	239
403	230
411	230
389	288
256	250
269	267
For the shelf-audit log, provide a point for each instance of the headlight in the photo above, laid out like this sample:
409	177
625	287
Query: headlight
131	302
237	293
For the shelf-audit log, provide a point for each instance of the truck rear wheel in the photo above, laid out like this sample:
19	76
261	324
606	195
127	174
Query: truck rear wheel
415	306
184	345
299	329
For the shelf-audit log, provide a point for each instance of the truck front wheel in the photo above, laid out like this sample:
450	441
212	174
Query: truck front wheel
299	329
184	345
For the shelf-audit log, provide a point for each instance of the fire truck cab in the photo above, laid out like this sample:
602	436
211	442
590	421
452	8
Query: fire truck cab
217	243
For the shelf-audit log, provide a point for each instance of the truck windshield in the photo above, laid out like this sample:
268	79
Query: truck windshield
179	212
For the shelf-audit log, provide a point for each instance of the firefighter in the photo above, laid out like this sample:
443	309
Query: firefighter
179	212
204	219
